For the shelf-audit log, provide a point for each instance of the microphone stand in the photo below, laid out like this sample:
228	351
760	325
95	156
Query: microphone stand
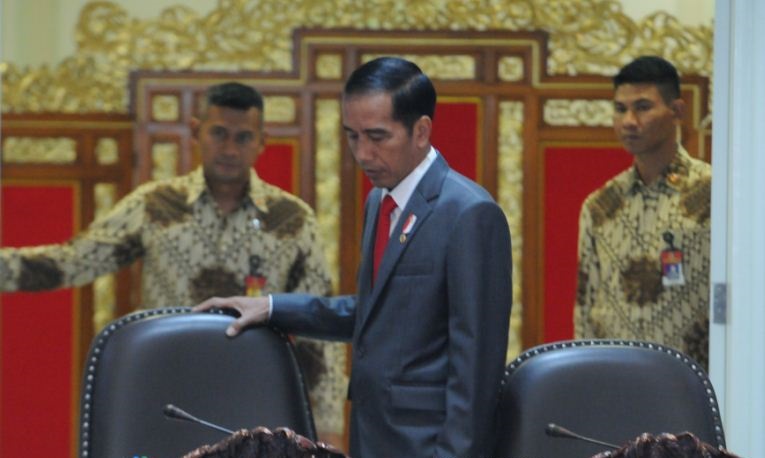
554	430
171	411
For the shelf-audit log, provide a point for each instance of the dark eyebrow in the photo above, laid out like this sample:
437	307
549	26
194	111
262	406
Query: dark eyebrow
372	131
641	100
378	131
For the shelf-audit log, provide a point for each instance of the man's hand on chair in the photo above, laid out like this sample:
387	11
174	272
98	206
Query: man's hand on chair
252	310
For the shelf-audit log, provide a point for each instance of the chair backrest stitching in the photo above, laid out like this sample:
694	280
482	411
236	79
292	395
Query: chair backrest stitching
695	369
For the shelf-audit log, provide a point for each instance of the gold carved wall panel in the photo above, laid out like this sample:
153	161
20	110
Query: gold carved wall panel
586	36
104	288
510	69
581	112
510	198
525	81
445	67
107	151
329	66
328	152
165	160
165	107
536	67
37	150
280	109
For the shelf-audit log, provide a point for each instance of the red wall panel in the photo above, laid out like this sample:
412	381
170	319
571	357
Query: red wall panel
276	166
570	174
37	383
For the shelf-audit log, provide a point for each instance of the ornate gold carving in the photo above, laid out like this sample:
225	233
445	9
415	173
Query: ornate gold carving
586	36
566	112
328	151
39	150
329	66
104	292
448	67
280	109
510	68
107	152
165	107
510	198
104	302
164	158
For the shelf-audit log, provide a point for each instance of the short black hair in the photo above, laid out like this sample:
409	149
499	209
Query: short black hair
682	445
651	70
412	93
232	95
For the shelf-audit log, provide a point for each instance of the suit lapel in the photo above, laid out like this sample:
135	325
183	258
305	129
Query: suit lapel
368	242
419	207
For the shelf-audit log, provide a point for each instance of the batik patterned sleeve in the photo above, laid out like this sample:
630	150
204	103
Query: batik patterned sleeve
327	379
587	275
108	244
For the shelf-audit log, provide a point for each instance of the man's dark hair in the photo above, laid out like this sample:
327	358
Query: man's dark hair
665	445
651	70
412	93
232	95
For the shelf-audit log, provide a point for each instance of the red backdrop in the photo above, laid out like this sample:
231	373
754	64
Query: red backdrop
276	165
570	174
37	382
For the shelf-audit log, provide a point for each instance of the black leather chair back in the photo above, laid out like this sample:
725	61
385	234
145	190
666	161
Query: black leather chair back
607	390
148	359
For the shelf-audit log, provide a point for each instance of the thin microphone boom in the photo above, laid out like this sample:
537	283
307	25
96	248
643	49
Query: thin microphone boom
171	411
554	430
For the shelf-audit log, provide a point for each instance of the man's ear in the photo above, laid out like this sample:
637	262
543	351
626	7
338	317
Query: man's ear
421	131
678	107
263	136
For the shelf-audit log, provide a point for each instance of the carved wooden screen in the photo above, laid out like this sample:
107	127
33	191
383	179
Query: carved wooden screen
538	143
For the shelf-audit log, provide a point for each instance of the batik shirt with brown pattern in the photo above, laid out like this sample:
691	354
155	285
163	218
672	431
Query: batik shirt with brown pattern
622	225
191	252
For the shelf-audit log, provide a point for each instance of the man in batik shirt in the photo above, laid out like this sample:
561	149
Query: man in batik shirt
218	231
644	236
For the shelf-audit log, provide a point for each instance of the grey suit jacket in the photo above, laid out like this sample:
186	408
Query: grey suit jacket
430	336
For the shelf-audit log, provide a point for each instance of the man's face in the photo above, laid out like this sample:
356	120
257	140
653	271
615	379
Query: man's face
382	147
643	121
229	141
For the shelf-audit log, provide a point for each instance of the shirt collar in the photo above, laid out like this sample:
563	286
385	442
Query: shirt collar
197	187
672	178
403	191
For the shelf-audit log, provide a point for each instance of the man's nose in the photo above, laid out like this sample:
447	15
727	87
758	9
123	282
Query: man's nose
629	118
363	150
230	147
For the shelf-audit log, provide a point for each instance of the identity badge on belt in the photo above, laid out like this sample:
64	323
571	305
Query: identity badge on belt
671	263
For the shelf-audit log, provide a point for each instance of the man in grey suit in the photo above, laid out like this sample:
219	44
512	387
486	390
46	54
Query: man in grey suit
430	319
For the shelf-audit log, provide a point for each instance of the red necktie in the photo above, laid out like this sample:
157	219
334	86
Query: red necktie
383	231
